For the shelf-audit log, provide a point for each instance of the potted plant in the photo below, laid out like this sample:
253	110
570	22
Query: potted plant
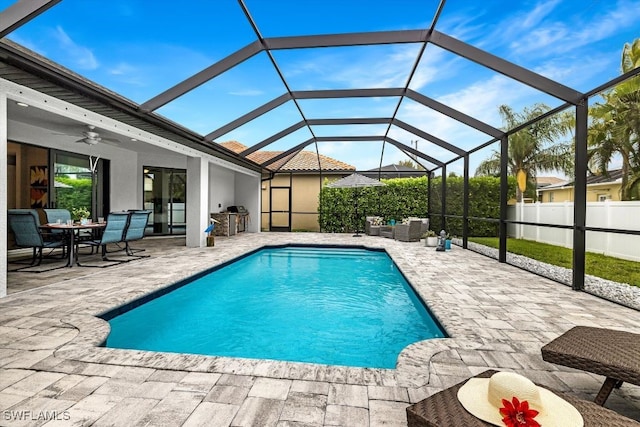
430	238
80	214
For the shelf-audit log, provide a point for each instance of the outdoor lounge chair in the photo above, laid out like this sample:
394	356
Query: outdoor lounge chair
614	354
24	224
372	225
443	409
425	225
410	232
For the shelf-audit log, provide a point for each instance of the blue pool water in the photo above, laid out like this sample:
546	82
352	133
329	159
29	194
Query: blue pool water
337	306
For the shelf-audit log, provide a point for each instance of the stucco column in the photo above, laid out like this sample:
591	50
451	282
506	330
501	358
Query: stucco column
197	201
3	194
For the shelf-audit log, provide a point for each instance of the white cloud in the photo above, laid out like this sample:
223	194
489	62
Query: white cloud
82	56
360	67
599	67
122	69
558	37
534	18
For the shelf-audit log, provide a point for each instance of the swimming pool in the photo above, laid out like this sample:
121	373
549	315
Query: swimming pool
331	305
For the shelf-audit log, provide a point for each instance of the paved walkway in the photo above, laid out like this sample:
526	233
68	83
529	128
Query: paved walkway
497	316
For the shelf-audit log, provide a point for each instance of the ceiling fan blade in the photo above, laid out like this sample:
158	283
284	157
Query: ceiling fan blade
112	140
89	141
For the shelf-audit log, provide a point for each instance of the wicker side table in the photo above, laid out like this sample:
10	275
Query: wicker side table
387	231
614	354
444	410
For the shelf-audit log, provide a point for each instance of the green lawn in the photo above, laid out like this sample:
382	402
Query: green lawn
616	269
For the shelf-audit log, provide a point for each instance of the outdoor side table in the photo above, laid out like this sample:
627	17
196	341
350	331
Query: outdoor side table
387	231
614	354
444	410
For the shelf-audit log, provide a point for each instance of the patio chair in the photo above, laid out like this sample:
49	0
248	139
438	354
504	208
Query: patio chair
24	223
372	225
424	227
409	232
135	230
443	409
114	232
53	215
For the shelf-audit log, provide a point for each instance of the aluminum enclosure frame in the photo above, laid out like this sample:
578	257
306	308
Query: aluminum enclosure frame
22	12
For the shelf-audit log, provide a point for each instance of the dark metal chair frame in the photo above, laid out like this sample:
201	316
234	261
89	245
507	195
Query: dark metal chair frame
138	220
114	232
25	223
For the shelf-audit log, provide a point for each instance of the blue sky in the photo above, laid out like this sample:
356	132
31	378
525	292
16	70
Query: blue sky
140	48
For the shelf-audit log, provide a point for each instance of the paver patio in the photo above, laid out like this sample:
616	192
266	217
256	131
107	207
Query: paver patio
497	316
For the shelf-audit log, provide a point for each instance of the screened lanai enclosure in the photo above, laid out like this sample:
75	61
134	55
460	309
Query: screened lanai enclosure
463	91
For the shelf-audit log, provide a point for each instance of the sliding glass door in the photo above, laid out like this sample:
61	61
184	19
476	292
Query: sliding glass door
79	182
165	194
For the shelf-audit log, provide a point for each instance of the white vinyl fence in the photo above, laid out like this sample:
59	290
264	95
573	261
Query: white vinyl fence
608	214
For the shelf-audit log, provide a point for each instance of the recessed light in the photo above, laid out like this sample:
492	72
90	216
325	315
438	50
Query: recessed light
133	139
22	104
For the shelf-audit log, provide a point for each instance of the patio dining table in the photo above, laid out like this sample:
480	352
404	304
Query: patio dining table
71	231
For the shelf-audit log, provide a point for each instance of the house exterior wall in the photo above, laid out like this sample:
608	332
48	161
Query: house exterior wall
246	190
595	193
305	202
305	195
556	195
610	191
221	189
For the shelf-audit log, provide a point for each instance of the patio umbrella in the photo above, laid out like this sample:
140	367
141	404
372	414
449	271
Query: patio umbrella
355	180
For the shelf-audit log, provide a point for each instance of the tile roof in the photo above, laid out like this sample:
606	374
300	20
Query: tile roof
303	161
612	176
543	181
394	171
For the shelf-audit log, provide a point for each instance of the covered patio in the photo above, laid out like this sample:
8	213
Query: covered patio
497	316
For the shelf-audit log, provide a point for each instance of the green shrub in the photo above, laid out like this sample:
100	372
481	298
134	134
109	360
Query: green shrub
77	195
404	197
484	202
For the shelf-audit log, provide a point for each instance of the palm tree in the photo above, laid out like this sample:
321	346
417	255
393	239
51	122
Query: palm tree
410	164
535	148
615	127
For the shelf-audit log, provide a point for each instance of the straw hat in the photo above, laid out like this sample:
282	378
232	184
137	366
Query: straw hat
483	398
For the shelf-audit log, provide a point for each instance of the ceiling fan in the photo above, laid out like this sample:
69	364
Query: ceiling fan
91	137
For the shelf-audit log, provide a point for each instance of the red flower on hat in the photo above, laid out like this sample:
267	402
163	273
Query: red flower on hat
518	414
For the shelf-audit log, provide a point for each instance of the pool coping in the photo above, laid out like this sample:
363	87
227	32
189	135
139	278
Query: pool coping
411	368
